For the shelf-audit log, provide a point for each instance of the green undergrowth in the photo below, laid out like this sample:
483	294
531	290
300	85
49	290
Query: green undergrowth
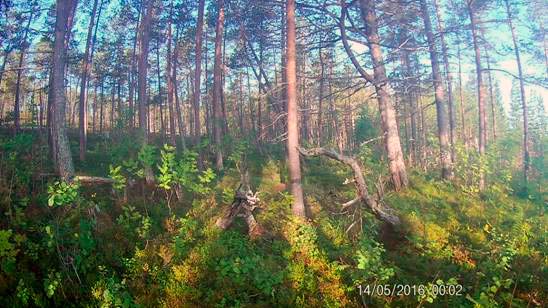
134	245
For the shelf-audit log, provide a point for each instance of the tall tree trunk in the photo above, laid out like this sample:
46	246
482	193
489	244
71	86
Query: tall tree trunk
169	78
22	50
101	105
292	113
481	93
60	149
132	72
83	105
491	96
218	87
522	95
7	53
160	97
142	80
461	96
320	99
197	79
449	79
439	94
397	168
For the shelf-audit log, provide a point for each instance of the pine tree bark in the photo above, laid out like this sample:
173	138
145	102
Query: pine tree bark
449	79
481	92
83	105
294	163
439	96
132	72
218	122
169	78
461	96
397	167
197	78
22	50
142	80
60	149
522	95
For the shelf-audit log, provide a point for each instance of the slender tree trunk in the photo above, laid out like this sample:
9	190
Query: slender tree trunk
83	106
461	96
142	80
169	78
522	96
101	105
439	94
22	50
491	96
292	114
60	149
132	72
481	93
95	104
217	86
4	62
197	78
320	98
160	97
449	79
397	168
41	100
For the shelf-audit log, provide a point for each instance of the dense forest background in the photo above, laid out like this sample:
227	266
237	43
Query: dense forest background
273	153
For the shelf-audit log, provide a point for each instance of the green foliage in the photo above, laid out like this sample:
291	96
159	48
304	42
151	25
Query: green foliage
51	283
8	251
134	223
167	167
99	253
370	264
110	292
62	193
186	174
115	173
147	155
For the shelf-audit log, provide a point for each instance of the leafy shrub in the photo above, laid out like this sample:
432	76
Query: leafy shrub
62	193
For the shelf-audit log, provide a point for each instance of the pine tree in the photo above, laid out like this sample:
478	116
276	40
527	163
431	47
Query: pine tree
515	113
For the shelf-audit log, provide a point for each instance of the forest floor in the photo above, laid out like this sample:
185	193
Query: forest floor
139	245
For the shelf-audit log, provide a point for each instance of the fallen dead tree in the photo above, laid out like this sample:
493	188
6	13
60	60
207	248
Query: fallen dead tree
381	211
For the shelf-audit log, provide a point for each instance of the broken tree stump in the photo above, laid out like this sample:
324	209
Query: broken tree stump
381	211
245	201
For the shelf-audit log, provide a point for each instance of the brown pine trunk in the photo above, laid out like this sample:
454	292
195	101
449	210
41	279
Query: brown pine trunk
178	108
169	78
60	149
481	93
16	107
522	96
101	105
320	99
160	97
132	73
439	94
217	86
197	78
461	97
491	96
397	168
83	104
142	80
449	77
292	113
